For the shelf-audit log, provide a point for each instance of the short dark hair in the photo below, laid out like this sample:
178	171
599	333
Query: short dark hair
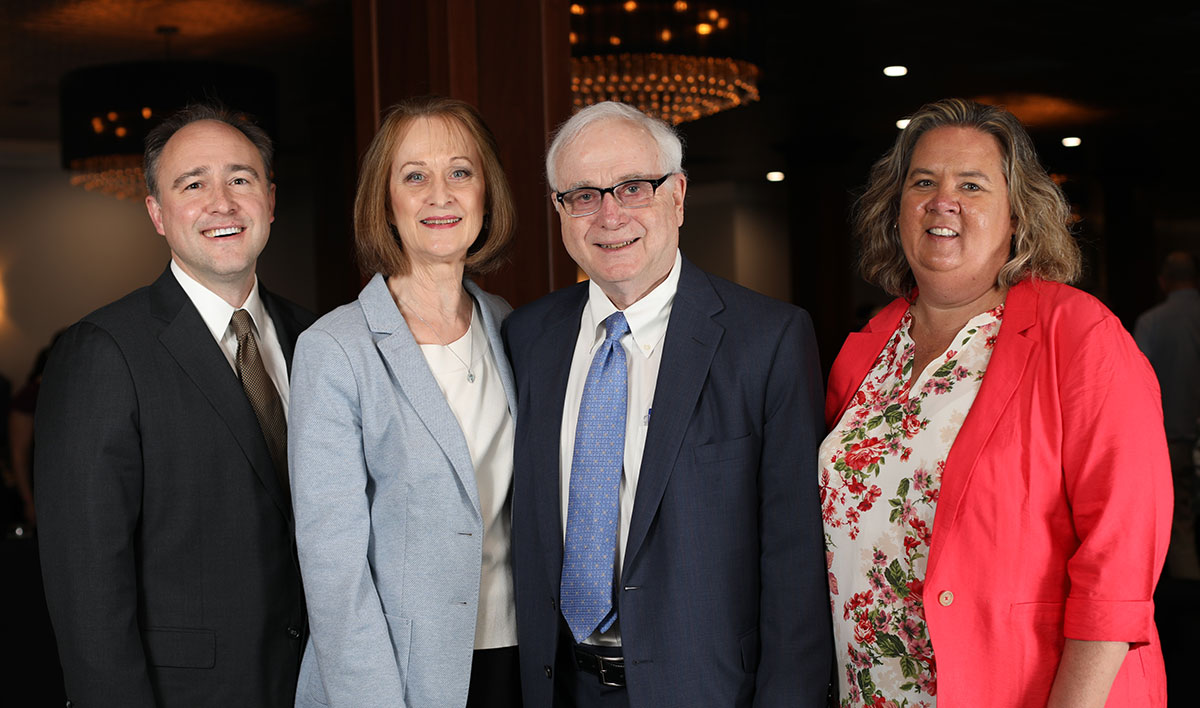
1042	243
376	241
157	138
1179	268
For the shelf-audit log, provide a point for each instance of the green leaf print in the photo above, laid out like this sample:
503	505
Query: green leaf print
895	575
893	414
865	683
902	490
945	369
911	669
890	645
873	423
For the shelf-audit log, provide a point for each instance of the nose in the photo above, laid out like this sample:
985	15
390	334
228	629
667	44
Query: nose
944	201
611	213
222	201
439	192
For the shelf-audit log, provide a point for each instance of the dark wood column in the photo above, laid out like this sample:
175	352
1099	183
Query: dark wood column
512	61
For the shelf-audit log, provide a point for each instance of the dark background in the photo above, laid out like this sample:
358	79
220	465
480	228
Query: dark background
1123	81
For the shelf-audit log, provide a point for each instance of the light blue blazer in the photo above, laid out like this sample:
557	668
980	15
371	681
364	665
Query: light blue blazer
387	511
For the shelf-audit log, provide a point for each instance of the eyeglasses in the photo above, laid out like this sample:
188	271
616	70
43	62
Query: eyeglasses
631	194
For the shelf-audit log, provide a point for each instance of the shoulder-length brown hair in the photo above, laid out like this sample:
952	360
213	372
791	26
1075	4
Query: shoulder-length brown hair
1042	244
376	241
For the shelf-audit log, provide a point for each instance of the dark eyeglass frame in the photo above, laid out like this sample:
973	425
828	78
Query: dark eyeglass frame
654	185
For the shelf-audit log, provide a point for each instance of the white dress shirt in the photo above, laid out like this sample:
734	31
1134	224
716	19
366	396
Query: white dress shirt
217	314
481	409
647	320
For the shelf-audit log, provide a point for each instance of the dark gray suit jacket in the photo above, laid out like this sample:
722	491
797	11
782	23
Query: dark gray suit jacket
166	540
724	599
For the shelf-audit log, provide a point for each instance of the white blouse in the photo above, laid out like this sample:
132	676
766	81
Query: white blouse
881	472
482	412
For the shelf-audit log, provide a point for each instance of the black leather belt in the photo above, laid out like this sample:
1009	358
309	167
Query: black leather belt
609	669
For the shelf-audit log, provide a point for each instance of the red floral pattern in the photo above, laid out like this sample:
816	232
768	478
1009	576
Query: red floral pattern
893	436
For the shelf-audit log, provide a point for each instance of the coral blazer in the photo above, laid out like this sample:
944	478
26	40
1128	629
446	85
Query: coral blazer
1055	506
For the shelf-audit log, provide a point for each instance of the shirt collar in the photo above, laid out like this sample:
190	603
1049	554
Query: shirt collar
647	317
215	312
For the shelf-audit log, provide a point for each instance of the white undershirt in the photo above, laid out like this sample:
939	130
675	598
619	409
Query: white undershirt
217	314
481	409
647	320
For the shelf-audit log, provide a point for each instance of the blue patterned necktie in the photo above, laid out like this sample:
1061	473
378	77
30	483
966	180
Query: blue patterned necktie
593	508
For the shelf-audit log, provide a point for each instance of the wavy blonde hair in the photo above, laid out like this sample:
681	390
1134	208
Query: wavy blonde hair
1042	247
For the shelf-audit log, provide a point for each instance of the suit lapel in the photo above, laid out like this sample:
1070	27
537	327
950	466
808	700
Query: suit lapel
1010	358
287	328
855	359
407	364
688	348
188	340
553	352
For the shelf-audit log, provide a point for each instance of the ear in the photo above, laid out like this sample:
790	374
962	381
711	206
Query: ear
155	211
678	191
271	202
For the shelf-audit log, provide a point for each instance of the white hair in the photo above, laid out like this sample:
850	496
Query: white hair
670	147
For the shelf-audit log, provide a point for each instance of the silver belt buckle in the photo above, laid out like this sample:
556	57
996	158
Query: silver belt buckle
616	662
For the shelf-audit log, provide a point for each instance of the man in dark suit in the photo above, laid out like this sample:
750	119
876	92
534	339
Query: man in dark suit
666	523
164	514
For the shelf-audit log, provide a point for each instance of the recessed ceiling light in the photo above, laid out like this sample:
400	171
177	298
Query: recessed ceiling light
902	123
1071	142
775	176
895	70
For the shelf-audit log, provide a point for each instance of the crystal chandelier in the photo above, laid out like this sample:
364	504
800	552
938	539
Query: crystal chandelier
667	57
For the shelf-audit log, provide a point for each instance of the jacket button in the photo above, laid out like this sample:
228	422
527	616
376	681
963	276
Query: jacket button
549	671
293	633
946	598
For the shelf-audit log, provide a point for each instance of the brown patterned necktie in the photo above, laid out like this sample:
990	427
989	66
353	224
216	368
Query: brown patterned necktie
264	399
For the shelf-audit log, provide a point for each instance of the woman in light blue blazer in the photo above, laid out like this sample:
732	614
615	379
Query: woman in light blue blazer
400	434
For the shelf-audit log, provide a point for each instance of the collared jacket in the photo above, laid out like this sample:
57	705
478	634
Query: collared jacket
1055	504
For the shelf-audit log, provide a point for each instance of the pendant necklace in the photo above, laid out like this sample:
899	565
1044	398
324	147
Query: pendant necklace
470	353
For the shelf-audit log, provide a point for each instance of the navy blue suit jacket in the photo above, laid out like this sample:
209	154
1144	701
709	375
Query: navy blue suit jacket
724	599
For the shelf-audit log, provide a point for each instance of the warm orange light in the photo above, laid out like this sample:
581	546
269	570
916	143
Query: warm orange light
576	8
121	131
723	23
97	125
112	115
704	28
146	112
573	37
680	6
614	40
713	15
665	35
630	5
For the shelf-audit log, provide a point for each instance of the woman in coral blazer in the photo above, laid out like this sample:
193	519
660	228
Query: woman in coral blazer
1045	483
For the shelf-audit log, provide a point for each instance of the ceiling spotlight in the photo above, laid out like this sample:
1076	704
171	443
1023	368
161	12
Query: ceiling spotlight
775	176
1071	142
902	123
896	70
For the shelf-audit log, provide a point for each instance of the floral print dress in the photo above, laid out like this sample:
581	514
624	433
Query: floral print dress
881	470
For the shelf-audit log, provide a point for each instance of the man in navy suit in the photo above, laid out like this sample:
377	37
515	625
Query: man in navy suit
164	515
710	586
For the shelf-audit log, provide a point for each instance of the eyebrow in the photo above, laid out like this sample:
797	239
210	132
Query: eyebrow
973	174
202	171
422	163
633	176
